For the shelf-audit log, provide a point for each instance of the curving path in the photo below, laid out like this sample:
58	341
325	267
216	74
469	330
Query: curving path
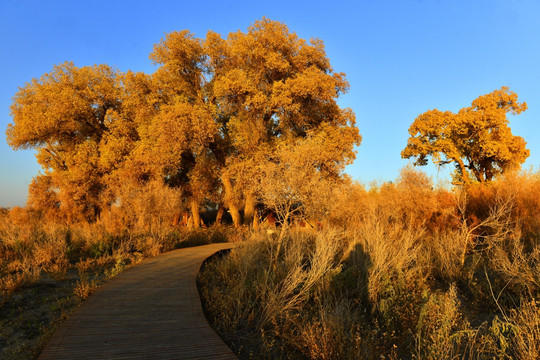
151	311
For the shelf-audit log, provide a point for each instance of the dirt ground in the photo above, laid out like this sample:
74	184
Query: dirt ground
30	316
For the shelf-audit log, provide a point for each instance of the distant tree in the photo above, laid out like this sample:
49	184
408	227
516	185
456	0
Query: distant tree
477	140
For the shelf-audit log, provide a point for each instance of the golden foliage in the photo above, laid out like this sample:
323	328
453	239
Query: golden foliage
199	123
477	139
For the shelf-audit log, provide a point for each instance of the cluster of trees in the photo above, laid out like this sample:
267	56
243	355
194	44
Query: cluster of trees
216	119
231	122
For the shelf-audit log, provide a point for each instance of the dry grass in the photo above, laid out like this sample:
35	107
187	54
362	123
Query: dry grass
71	260
403	270
400	271
526	339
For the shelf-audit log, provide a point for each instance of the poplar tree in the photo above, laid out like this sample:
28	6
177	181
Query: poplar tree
477	139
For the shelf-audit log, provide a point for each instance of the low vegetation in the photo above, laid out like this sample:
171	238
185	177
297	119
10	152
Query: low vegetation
47	268
401	271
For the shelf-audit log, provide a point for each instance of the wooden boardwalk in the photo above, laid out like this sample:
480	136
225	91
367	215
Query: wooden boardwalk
151	311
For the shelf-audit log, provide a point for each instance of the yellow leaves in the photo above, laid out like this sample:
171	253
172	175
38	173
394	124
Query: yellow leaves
268	38
113	151
183	63
312	83
501	101
212	105
246	135
140	95
308	99
69	102
216	48
233	83
185	125
331	147
476	138
40	193
271	86
276	61
178	49
313	55
66	114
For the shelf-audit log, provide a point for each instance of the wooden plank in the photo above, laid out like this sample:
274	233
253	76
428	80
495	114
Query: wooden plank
151	311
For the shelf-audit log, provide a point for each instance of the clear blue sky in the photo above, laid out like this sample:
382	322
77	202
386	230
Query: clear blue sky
401	57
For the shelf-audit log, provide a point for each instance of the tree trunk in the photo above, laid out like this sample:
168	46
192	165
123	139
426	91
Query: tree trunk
249	208
229	201
256	220
194	205
478	172
235	214
464	173
219	215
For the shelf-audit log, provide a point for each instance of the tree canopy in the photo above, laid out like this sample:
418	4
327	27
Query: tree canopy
66	116
213	111
477	140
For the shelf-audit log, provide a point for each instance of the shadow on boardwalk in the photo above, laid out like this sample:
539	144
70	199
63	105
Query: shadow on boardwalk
151	311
